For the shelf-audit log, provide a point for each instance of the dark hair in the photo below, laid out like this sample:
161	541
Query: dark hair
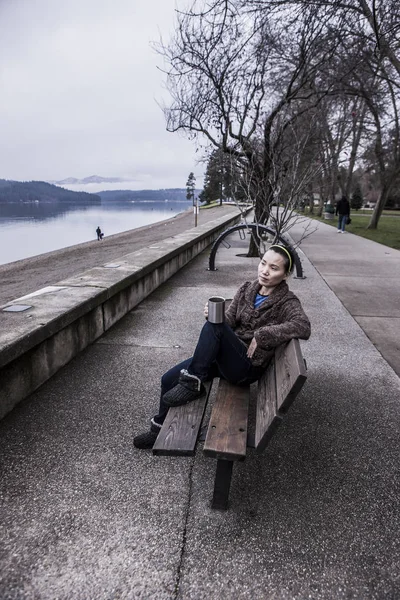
284	251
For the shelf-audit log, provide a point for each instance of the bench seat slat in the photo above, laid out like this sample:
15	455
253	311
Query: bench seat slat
227	431
178	435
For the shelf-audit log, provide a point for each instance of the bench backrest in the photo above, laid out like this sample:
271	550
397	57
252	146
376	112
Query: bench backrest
277	388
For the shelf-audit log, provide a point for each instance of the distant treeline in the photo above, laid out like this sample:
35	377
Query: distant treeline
31	191
177	194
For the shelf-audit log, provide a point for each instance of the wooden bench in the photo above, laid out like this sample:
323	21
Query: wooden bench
228	436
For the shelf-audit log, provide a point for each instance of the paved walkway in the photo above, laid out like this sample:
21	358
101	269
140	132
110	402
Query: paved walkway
86	516
365	276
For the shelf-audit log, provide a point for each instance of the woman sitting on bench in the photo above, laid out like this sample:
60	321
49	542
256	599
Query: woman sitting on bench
262	315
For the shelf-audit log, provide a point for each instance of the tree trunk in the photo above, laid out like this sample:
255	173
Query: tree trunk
380	205
261	216
253	251
357	131
334	182
321	201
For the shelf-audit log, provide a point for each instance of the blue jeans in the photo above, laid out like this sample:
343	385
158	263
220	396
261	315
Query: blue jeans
342	222
219	353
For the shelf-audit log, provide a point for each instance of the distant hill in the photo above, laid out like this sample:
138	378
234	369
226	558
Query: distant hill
40	191
90	179
176	194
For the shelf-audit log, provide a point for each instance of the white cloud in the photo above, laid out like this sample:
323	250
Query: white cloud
79	84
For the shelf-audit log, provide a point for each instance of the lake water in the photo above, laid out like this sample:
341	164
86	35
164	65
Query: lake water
28	229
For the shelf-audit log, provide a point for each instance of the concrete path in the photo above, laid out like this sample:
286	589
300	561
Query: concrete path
365	276
86	516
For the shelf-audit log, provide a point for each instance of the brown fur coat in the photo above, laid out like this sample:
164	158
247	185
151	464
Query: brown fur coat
279	319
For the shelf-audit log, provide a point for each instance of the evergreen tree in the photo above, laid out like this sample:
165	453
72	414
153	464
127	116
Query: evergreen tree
221	180
212	179
190	187
356	201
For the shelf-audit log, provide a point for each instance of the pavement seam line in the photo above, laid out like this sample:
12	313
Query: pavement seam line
184	533
132	345
377	316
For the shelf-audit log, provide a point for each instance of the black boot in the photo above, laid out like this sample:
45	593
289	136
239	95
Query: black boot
146	440
188	388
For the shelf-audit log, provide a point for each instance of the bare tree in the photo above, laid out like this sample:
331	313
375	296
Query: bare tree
241	80
378	20
368	69
386	146
374	83
358	116
338	129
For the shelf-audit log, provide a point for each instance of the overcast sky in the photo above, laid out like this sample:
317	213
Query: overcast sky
78	91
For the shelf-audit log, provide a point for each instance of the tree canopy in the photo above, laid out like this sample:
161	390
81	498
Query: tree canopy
294	92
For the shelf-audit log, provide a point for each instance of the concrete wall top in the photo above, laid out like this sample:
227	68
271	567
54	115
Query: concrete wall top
52	308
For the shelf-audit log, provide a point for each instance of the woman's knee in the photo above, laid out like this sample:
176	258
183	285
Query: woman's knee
171	377
213	328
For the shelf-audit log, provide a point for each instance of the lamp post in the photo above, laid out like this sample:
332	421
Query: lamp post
195	209
221	178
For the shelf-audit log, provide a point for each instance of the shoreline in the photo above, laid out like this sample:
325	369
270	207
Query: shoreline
81	245
27	275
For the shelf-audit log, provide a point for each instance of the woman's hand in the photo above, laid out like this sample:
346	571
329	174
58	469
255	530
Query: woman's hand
206	310
252	348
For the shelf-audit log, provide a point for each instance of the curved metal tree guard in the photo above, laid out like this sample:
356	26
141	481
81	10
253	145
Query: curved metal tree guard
253	227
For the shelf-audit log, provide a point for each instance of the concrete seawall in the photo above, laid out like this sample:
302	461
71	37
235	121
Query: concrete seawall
41	332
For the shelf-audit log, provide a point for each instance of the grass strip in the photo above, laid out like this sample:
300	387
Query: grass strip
388	232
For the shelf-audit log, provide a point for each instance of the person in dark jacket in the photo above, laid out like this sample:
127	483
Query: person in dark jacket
343	210
262	315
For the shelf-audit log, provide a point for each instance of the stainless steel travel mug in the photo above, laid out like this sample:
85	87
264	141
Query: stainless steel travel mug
216	309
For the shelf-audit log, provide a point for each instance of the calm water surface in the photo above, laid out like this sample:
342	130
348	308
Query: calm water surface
28	229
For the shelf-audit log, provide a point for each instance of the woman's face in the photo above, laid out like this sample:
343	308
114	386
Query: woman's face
272	269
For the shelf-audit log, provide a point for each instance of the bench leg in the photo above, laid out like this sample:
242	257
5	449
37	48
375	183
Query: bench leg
222	484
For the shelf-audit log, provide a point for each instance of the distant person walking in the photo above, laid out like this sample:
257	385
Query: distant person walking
99	234
343	210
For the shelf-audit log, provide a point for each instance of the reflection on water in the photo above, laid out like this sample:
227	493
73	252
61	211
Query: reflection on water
34	228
